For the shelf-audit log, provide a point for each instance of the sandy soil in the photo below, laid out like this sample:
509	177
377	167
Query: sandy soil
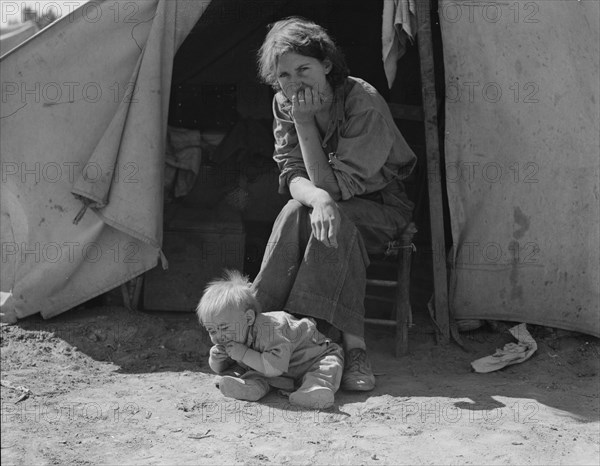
111	386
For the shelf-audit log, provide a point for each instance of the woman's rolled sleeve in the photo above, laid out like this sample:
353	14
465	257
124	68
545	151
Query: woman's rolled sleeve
290	168
363	148
287	149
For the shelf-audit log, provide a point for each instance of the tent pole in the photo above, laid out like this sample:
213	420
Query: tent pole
432	146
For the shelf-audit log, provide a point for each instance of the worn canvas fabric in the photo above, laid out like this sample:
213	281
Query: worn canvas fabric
83	121
522	161
13	35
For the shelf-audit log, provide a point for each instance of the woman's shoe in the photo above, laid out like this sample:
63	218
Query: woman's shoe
358	375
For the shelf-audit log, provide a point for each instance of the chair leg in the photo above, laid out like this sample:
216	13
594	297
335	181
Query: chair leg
402	304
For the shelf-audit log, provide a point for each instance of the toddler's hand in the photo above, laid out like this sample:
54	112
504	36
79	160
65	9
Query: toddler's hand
236	350
218	353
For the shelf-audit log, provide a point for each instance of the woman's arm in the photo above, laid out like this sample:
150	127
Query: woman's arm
317	163
291	157
325	215
321	190
305	192
305	106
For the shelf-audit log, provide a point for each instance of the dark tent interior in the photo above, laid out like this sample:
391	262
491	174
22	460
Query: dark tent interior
216	96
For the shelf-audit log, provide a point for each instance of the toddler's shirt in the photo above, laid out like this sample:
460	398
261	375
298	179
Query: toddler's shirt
288	345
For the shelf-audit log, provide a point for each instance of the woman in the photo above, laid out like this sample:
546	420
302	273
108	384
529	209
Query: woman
341	158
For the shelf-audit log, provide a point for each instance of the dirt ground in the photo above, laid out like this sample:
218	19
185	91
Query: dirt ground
111	386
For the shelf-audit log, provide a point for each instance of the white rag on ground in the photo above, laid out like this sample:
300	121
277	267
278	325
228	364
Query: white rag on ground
7	314
512	353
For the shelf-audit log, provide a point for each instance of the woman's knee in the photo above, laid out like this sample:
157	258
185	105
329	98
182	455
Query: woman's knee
293	211
294	205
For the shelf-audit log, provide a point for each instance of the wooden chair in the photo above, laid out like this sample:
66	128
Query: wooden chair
399	253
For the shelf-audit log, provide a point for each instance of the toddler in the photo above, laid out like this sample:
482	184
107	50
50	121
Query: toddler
268	346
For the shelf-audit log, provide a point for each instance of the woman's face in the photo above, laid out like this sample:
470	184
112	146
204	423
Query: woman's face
298	72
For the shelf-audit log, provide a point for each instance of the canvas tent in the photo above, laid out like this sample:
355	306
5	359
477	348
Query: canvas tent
84	117
72	125
523	161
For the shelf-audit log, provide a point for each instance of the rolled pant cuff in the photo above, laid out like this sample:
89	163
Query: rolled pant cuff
344	318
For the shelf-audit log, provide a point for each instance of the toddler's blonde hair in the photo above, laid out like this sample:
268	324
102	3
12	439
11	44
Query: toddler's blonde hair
233	290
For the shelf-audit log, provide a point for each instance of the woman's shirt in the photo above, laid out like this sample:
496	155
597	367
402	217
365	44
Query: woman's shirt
365	148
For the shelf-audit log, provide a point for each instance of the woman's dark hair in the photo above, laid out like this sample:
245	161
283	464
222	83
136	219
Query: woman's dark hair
304	37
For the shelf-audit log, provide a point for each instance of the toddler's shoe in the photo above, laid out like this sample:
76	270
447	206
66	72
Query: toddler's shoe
313	397
235	371
251	389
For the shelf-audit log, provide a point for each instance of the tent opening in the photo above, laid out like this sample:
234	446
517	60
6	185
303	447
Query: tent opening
220	179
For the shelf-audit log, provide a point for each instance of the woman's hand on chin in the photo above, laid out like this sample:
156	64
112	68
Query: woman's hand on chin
306	103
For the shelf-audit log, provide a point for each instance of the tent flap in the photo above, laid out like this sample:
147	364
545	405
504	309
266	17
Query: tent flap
522	165
84	112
